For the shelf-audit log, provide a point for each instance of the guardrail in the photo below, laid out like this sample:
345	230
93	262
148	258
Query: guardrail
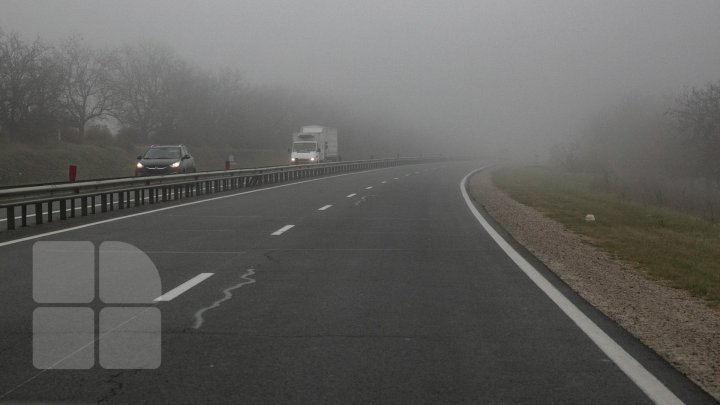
139	191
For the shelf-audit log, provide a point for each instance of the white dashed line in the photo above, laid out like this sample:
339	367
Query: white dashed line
350	195
170	295
324	207
173	207
368	188
383	182
395	178
282	230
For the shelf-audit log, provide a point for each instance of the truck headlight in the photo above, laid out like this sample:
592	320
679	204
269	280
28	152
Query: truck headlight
175	165
139	165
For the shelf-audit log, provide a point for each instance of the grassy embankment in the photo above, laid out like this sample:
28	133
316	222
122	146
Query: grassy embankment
680	249
28	164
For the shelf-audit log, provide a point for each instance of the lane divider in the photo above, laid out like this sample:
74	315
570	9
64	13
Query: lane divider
368	188
175	292
282	230
323	208
646	381
350	195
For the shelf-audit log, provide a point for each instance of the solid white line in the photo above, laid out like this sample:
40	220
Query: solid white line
282	230
648	383
368	188
324	207
350	195
170	295
42	235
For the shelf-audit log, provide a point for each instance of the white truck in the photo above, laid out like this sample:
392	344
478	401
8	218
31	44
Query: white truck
314	144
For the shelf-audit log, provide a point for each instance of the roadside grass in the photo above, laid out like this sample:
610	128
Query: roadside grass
26	164
682	250
47	163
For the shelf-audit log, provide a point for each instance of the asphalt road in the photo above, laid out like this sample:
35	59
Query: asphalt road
385	289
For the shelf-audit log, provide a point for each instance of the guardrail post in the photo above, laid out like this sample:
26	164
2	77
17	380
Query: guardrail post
103	202
92	205
63	209
10	217
112	201
50	213
72	207
23	215
38	214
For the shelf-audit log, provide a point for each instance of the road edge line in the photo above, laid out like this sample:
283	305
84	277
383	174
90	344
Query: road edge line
643	379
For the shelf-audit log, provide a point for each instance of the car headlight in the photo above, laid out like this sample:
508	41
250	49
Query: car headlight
175	165
292	159
312	159
139	165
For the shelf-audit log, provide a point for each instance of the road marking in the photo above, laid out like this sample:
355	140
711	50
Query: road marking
350	195
646	381
282	230
368	188
222	197
324	207
199	320
172	294
407	174
383	182
395	178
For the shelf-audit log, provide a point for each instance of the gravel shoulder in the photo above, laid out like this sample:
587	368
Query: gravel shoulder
681	328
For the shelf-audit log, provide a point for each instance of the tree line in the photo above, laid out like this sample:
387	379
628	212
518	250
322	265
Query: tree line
151	95
658	149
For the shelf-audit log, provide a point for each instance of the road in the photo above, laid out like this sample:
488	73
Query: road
377	286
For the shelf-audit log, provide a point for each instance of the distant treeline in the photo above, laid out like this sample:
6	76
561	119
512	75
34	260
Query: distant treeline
660	150
147	94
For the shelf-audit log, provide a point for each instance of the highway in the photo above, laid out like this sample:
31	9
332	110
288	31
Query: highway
368	287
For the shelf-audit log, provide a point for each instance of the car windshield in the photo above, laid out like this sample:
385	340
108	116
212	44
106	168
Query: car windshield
304	147
162	153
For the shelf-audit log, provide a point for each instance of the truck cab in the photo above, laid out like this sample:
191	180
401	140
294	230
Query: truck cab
305	151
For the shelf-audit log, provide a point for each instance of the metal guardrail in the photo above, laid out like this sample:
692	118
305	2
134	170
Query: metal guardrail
139	191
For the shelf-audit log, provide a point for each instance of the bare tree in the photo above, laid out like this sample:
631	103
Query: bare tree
29	87
138	85
698	115
85	92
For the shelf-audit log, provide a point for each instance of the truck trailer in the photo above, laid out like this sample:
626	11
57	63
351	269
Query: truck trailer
314	144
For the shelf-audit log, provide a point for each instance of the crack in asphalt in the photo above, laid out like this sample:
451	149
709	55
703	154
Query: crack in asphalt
227	294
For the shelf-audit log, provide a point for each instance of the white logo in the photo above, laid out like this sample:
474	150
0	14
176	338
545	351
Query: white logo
66	328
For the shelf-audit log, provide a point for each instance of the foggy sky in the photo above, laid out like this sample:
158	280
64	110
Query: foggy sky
505	71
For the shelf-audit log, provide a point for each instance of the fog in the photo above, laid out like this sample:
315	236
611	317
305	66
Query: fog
480	74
